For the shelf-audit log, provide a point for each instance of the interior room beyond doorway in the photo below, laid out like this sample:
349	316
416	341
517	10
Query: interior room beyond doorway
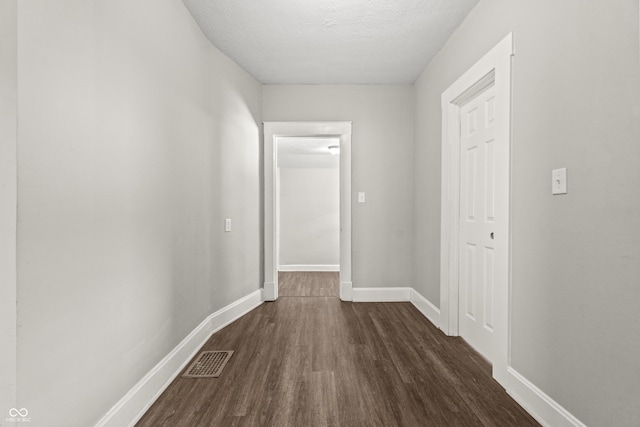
308	198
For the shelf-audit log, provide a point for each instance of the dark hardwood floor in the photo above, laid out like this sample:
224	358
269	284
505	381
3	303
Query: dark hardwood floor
317	361
308	284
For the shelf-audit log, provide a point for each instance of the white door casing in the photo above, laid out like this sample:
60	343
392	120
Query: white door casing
494	69
478	221
272	131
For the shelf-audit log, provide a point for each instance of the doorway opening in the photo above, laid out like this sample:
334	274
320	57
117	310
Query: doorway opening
284	145
308	206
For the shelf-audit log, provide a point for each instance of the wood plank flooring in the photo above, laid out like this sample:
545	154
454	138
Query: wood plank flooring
317	361
308	284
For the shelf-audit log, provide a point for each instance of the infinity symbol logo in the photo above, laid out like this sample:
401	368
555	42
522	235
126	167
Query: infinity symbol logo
13	412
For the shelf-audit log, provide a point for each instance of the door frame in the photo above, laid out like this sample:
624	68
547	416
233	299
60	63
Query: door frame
493	69
272	131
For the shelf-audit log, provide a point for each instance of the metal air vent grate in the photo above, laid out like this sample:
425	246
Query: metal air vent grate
208	364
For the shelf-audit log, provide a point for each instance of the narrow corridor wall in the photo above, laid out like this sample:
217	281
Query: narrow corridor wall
8	202
575	299
309	217
136	139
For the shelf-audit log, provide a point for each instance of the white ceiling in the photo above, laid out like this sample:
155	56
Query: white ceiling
330	41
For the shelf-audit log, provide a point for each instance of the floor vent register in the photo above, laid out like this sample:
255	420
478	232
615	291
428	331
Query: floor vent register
208	364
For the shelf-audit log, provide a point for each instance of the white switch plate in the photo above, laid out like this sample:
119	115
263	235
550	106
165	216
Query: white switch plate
559	181
227	225
361	197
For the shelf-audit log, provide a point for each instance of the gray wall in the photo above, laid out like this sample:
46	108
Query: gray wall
8	200
126	114
136	140
382	149
576	271
309	216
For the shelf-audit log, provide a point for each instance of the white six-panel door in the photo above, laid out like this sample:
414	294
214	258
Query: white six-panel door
478	189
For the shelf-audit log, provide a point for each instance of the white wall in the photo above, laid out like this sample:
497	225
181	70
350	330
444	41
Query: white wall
576	270
309	217
8	201
136	139
382	150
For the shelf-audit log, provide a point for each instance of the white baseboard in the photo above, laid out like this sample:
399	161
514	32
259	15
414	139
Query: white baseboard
425	307
269	291
346	291
381	294
543	408
140	398
309	267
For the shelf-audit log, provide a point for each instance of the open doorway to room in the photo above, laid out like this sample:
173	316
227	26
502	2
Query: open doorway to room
308	200
306	228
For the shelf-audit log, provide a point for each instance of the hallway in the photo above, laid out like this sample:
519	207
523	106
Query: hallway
309	284
314	360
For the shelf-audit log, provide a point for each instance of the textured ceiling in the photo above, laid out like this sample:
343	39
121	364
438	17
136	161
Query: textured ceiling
330	41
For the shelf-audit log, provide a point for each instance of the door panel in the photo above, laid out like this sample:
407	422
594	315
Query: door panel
477	221
471	281
489	266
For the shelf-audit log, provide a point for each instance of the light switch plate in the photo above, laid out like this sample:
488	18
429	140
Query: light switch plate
227	225
559	181
361	197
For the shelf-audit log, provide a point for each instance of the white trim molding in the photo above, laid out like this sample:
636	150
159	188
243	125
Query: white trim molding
273	131
301	267
493	69
543	408
269	289
129	410
381	294
346	291
425	307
